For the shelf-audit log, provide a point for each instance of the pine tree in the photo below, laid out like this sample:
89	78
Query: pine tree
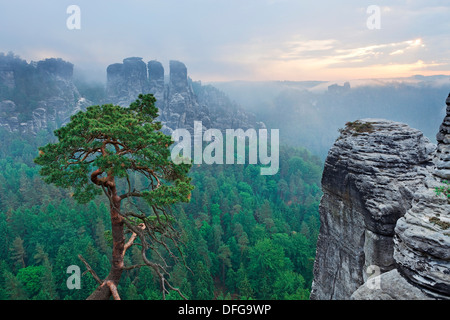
4	237
48	286
40	256
101	150
18	253
244	286
14	287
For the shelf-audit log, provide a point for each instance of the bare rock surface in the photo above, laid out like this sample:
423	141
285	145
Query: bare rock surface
37	95
389	286
180	100
379	210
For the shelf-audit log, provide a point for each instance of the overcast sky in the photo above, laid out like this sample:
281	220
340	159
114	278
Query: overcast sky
238	39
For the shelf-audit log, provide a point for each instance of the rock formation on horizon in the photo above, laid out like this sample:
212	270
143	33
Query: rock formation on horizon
385	232
38	95
41	96
180	100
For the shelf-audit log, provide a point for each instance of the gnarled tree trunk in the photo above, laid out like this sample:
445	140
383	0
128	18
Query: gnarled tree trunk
109	286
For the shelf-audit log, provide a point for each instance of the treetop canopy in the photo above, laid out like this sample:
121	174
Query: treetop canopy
107	142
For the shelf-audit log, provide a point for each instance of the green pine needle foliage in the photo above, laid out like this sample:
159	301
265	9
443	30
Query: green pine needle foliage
119	142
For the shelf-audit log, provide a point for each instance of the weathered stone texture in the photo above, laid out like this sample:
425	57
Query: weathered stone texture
380	209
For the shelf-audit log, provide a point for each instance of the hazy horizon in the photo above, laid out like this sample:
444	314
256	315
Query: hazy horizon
253	40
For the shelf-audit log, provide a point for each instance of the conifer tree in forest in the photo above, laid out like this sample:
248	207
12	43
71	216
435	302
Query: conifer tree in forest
122	153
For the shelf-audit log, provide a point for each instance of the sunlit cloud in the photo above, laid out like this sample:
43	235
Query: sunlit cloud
370	53
400	51
330	59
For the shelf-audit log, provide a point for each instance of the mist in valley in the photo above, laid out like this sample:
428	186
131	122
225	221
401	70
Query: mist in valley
309	113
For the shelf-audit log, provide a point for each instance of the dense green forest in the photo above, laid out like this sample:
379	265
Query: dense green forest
246	236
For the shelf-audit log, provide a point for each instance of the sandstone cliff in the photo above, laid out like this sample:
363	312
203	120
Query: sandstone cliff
180	100
38	95
384	231
41	95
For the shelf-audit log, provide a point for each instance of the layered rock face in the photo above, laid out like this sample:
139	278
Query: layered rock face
37	96
179	100
443	152
42	96
384	230
422	241
156	81
126	80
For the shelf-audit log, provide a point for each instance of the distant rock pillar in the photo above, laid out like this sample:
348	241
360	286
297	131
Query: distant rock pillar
125	81
181	100
156	81
178	76
114	80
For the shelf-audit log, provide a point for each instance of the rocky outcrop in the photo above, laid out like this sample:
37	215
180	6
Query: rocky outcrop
42	96
156	81
180	106
56	67
180	100
443	152
222	112
37	96
389	286
422	241
384	230
126	81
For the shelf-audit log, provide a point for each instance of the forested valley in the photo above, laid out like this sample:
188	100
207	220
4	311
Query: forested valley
245	236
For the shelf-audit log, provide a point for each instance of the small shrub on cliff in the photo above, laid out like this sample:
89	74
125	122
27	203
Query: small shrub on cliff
357	127
444	225
444	190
